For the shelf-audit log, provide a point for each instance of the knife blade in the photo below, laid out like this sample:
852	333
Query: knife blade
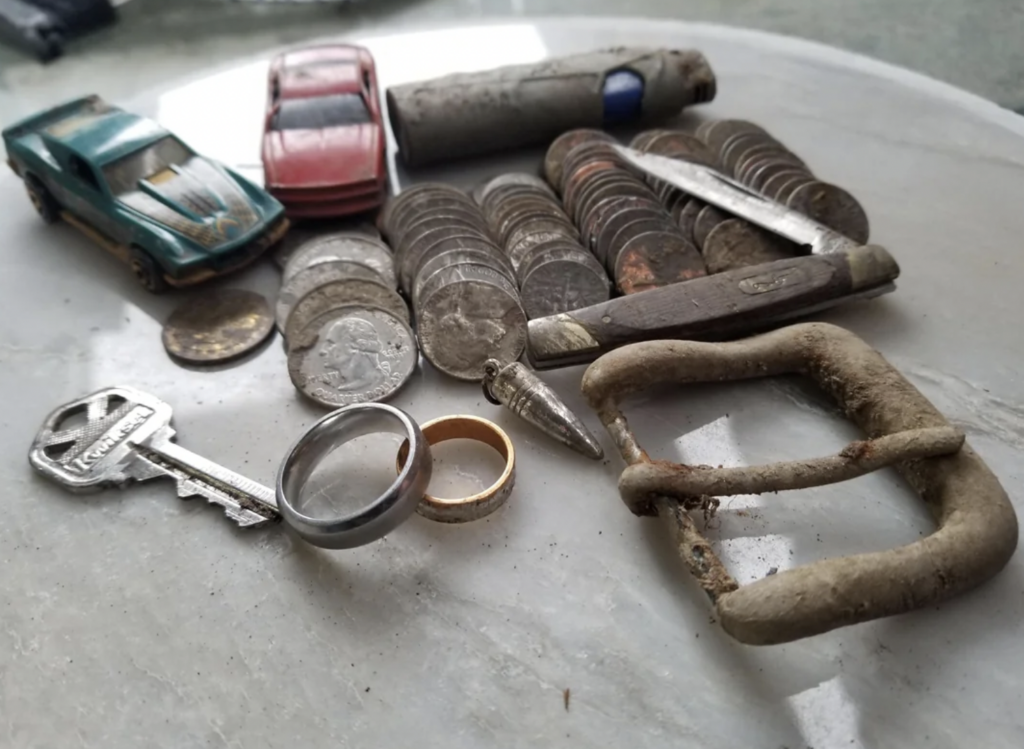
735	198
724	305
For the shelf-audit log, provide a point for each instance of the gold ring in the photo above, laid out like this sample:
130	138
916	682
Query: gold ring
464	509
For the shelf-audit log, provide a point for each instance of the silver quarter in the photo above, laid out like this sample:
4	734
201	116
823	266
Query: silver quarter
410	260
364	250
540	225
484	189
316	275
455	241
360	355
467	315
561	281
405	202
523	249
453	257
342	293
302	234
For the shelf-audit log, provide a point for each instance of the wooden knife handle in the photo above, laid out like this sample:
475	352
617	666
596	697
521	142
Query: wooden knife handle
717	307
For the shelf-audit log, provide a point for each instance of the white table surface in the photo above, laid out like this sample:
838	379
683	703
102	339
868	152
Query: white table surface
132	619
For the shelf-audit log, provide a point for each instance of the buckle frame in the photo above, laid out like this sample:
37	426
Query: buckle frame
977	525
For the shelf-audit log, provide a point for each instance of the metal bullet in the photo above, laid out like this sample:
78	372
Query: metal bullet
526	395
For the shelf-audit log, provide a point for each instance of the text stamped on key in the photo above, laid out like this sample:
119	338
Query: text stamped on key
111	439
91	453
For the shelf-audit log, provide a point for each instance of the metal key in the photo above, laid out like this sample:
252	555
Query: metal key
127	436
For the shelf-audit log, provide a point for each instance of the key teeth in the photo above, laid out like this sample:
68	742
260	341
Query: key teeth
243	517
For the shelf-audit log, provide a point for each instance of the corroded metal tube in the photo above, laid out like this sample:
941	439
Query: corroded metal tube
469	114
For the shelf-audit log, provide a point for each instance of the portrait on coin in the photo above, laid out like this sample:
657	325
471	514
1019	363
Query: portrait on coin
350	351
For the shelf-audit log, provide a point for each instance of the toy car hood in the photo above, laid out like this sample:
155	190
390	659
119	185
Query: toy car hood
199	201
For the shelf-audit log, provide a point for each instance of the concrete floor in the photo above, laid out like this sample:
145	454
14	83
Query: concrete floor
973	45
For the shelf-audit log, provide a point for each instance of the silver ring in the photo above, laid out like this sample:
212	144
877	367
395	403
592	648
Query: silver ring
382	515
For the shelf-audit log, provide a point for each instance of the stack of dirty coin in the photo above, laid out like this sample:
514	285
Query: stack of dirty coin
555	273
461	284
725	242
345	325
619	217
746	152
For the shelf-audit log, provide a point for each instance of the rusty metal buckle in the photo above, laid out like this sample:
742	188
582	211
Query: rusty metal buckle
977	526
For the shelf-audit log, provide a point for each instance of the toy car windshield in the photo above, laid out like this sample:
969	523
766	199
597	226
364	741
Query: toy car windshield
154	163
319	112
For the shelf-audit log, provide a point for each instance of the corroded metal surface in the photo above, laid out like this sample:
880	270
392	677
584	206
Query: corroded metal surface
977	526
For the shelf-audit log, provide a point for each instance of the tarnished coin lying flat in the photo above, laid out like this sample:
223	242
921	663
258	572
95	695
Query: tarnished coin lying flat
218	325
473	314
342	293
317	275
359	355
352	248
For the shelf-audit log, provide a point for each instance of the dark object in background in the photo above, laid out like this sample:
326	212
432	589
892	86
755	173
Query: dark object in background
41	27
469	114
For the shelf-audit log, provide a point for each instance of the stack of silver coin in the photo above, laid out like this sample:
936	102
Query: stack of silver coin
619	217
725	242
462	286
749	154
345	325
554	271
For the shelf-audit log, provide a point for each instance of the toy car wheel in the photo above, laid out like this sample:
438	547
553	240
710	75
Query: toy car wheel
147	272
45	204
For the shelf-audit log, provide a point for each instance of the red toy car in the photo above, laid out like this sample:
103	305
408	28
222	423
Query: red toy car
323	139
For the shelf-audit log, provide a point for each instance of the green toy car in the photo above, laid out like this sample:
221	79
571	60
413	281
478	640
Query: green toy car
175	217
